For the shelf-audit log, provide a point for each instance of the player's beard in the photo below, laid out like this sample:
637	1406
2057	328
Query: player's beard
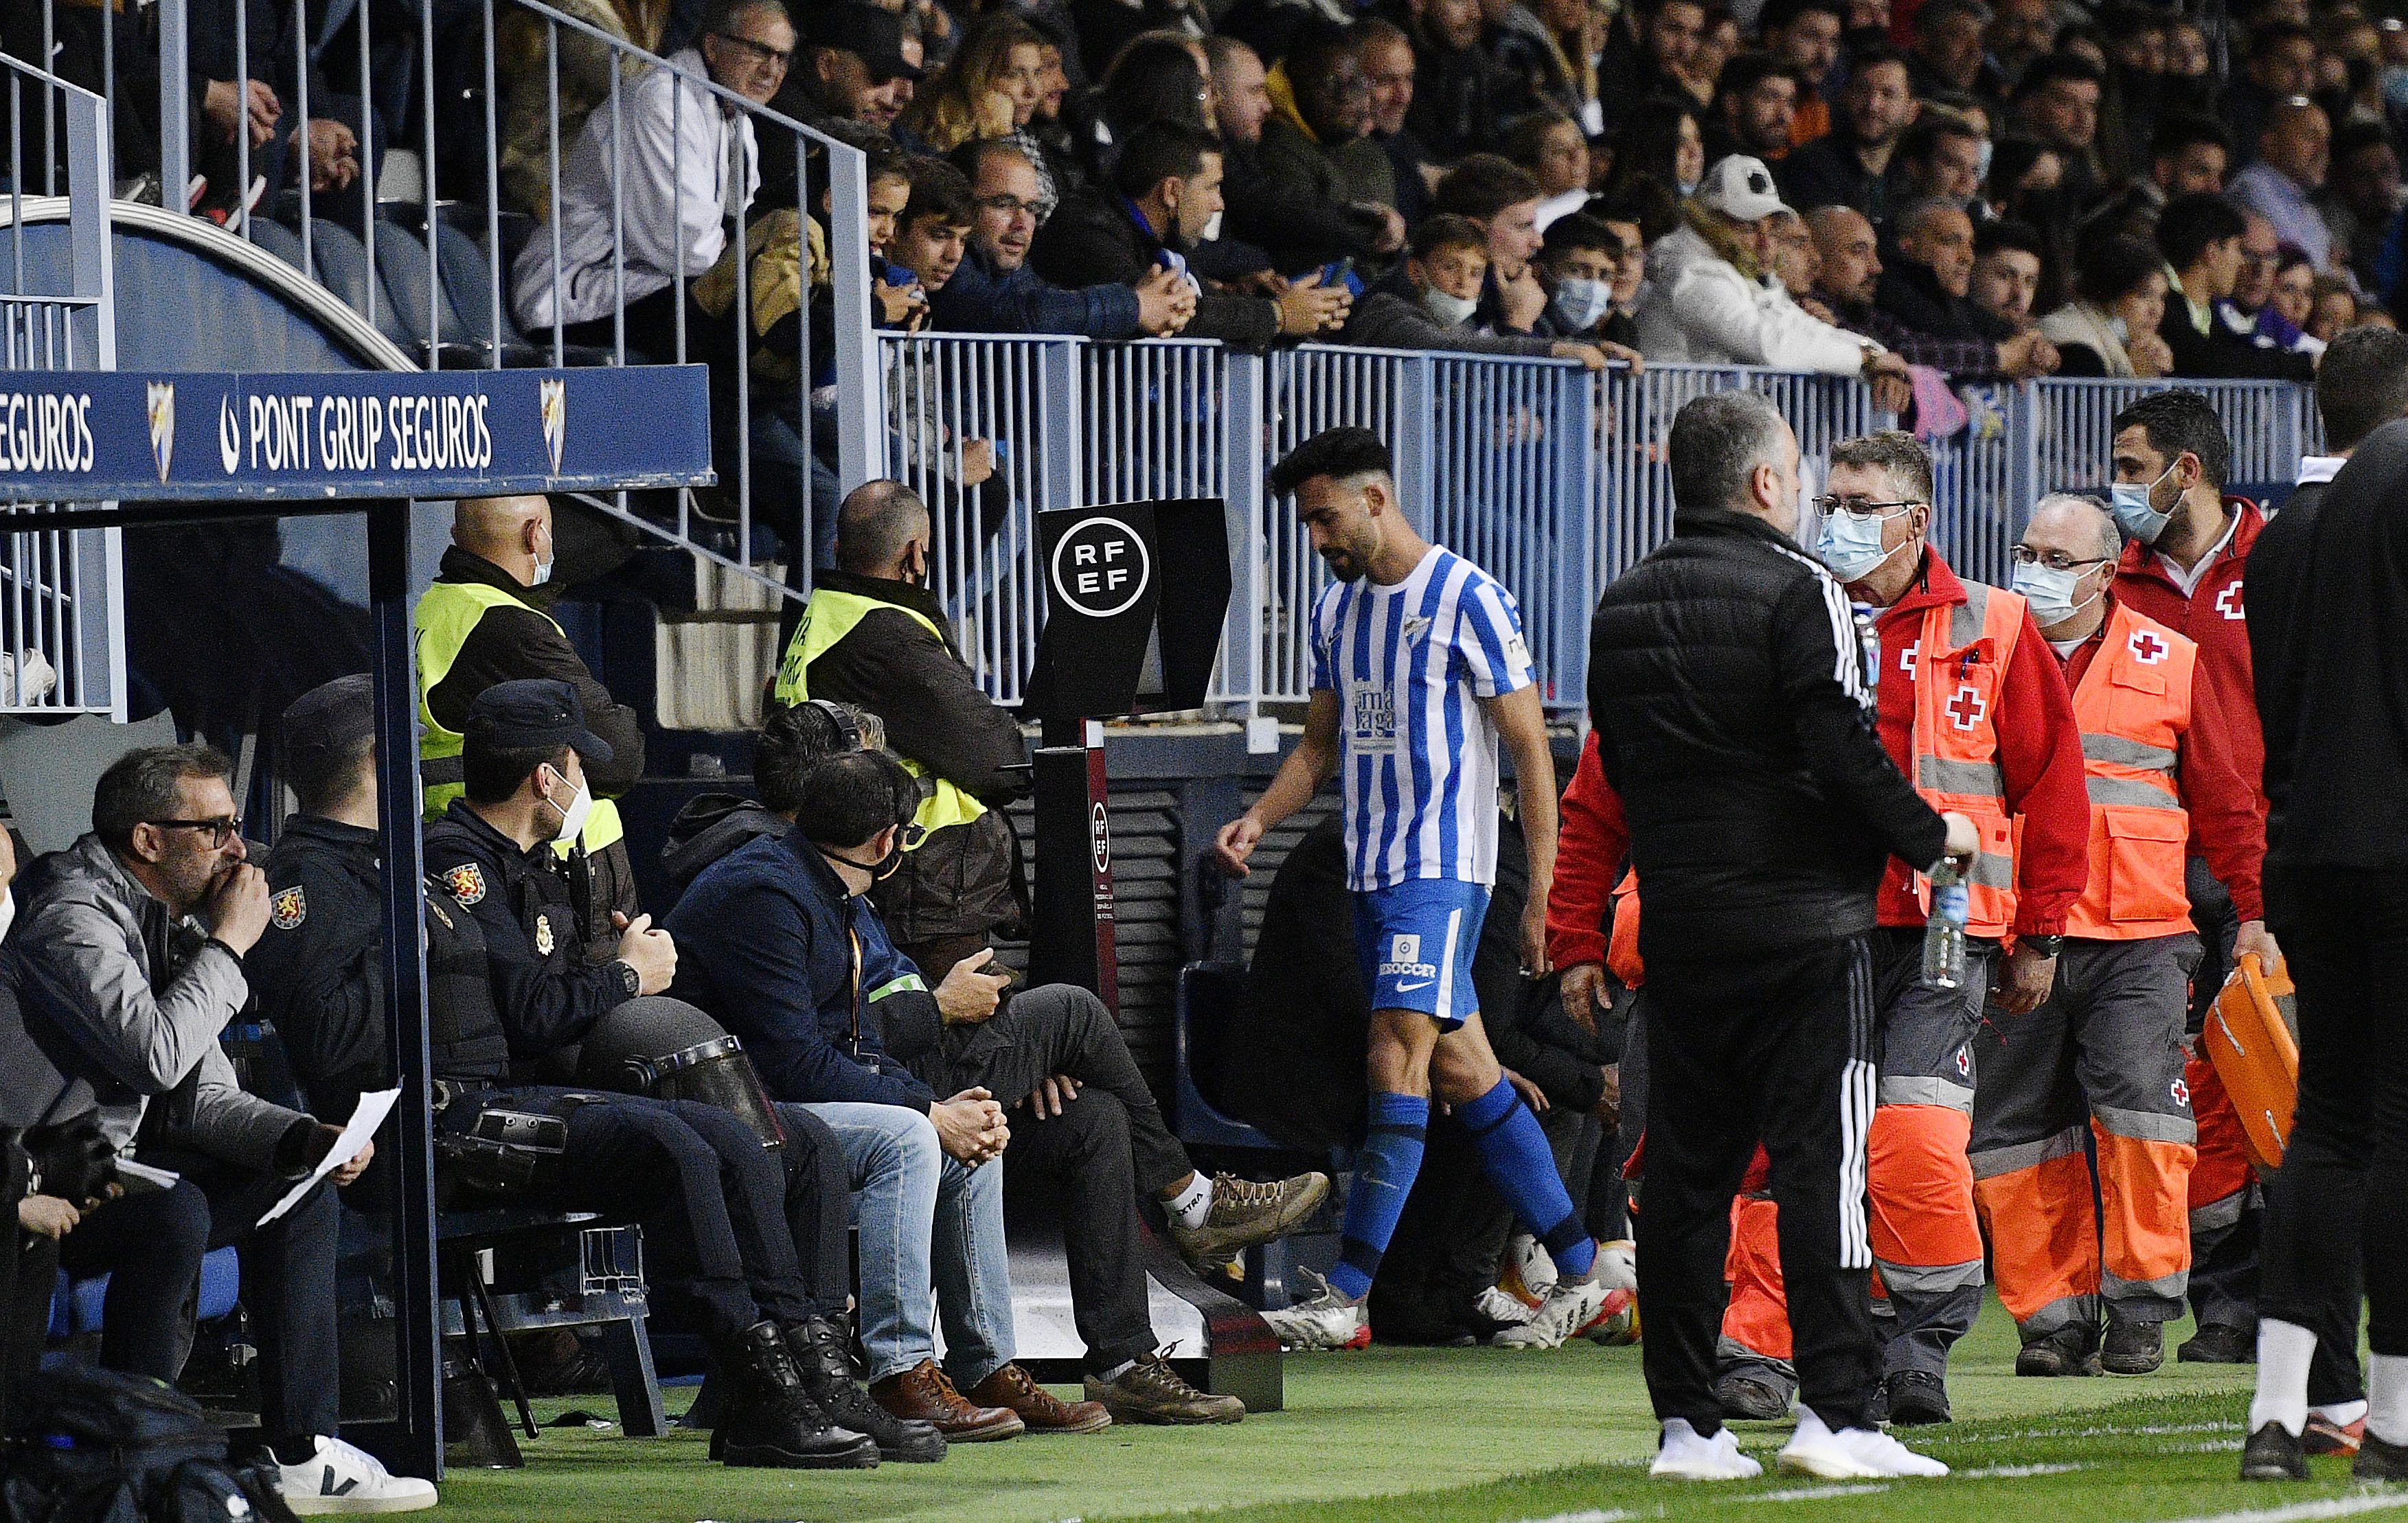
1346	565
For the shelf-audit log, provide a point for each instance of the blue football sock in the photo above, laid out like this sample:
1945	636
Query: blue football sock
1513	1151
1384	1176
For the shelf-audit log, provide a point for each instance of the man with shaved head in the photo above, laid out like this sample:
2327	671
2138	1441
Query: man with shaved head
483	623
1854	285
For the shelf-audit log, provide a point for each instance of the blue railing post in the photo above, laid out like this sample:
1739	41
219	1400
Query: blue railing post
1417	441
1241	442
1577	532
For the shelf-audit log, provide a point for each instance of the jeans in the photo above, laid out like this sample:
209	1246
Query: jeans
926	1221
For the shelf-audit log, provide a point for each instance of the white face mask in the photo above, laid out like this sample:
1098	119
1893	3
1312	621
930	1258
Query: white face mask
1211	233
1982	160
543	567
2050	592
572	820
1449	310
1580	303
7	912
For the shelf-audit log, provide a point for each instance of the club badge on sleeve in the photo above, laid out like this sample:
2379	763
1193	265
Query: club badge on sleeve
466	883
288	908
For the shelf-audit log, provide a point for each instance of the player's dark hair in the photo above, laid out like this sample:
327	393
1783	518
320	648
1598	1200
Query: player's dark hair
1337	453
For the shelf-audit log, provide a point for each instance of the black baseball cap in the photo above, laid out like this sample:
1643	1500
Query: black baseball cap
531	714
872	35
331	719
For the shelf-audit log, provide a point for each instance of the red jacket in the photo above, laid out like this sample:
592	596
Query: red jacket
2039	751
2227	817
1588	860
2212	618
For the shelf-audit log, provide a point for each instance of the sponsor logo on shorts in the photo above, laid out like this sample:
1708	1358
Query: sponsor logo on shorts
1405	961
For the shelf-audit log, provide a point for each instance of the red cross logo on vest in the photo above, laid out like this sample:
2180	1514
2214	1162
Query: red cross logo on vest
1906	657
2181	1093
2147	649
1966	709
2228	601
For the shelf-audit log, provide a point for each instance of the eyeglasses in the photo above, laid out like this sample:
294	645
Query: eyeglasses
761	53
1857	507
220	829
1012	206
2055	559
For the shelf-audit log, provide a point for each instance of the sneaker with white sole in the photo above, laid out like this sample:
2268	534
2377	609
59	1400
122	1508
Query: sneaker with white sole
1565	1315
1499	1304
1852	1454
1321	1318
340	1478
1682	1456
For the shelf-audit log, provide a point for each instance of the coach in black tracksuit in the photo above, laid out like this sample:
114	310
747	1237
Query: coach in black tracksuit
1728	692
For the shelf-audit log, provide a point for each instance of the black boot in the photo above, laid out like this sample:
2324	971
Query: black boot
770	1419
821	1350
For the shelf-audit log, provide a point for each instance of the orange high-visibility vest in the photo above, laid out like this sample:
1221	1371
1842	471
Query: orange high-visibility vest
1960	670
2133	706
1622	950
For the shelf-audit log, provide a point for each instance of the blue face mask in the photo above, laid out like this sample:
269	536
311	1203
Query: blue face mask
2129	500
1580	304
1851	546
2050	592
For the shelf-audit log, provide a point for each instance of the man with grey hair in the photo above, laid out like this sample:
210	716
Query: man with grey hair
1729	690
1970	704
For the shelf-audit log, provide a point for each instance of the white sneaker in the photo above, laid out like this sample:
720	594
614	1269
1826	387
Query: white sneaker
1498	1307
1685	1457
1322	1320
1566	1314
340	1478
1852	1454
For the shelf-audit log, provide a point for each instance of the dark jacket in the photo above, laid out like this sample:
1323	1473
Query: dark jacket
1299	231
1828	173
545	991
1911	292
772	946
1463	100
710	827
1726	688
1298	167
2219	354
1096	236
981	299
959	881
1385	320
2325	589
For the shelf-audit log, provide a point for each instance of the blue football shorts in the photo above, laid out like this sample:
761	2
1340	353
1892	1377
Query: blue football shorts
1416	941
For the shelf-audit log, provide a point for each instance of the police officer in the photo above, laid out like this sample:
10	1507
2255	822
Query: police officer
721	1212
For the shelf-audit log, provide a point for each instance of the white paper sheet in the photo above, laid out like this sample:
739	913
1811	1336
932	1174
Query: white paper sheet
373	1106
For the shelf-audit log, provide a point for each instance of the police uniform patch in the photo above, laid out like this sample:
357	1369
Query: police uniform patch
543	941
288	909
466	883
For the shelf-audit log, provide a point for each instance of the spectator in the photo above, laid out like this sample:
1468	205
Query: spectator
132	947
2057	104
1715	49
1316	145
1429	303
1166	197
1849	165
2282	63
2201	239
2191	67
2110	327
482	623
1804	34
1940	159
993	290
1166	75
1388	67
1853	281
2020	32
1710	305
1549	146
2250	310
1502	200
2294	152
1947	50
2135	36
629	228
1590	271
1300	230
1462	94
932	233
2192	155
1106	26
1529	48
2335	309
1927	286
2361	205
1670	32
990	89
1755	103
1795	264
2294	298
1662	146
857	67
2008	267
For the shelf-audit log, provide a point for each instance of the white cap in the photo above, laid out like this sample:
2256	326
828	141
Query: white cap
1739	188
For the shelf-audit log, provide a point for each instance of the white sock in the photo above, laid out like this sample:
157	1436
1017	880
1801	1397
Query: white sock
2386	1398
1123	1367
2340	1414
1193	1204
2283	1350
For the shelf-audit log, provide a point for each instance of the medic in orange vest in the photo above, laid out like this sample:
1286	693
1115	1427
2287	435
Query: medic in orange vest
2187	552
2158	758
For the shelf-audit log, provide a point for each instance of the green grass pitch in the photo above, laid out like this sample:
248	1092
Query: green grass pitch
1489	1436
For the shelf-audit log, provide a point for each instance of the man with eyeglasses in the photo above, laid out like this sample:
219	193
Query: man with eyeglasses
2098	1067
132	945
994	290
1973	708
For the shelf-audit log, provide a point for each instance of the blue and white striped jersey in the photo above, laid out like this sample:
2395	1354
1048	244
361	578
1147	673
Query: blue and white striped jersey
1408	664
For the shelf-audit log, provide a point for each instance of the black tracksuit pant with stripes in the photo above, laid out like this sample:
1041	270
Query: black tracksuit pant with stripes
1773	1044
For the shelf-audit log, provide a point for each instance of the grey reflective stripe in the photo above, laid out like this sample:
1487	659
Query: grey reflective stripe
1930	1278
1990	1162
2064	1312
2132	791
2218	1215
1992	871
1941	1093
2128	753
2147	1126
1981	778
1731	1354
2114	1288
1966	619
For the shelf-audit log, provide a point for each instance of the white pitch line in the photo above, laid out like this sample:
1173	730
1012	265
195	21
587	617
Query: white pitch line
2013	1473
1816	1493
1592	1516
2299	1512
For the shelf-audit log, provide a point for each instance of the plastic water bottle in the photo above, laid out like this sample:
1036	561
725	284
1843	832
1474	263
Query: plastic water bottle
1943	932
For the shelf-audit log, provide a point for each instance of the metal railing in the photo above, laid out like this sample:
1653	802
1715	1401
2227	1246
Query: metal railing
62	591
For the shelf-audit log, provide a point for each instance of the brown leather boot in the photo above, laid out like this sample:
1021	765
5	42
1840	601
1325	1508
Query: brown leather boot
1154	1392
1044	1412
923	1394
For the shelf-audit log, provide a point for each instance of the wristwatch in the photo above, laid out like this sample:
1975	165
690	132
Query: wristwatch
2045	946
631	983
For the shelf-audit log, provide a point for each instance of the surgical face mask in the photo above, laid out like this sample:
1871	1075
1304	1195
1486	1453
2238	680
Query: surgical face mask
1580	303
1851	546
572	820
7	912
2122	330
543	567
1449	310
1982	160
2134	513
2050	592
1211	233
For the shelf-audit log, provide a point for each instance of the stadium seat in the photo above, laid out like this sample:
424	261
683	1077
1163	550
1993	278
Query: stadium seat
343	268
1207	992
76	1309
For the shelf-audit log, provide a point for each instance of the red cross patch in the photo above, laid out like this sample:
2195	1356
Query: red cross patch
2147	649
2182	1093
1964	1064
1966	708
2228	601
1906	657
466	883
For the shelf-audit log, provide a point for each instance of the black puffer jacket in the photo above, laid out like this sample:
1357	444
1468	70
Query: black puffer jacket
1728	692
